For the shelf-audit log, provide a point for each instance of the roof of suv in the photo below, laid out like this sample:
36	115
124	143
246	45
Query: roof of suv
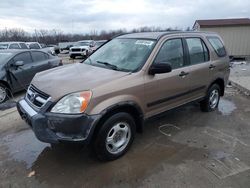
157	35
11	42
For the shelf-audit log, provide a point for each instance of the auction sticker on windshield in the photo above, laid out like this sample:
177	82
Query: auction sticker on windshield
144	42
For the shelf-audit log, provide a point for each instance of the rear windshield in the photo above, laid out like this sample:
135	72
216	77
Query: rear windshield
218	46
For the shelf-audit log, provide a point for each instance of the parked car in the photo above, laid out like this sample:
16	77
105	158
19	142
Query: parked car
98	44
106	99
12	45
34	45
82	48
18	67
54	48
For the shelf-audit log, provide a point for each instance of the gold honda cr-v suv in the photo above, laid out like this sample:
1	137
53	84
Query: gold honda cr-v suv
105	99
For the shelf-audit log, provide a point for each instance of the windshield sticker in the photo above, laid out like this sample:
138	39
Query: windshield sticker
144	42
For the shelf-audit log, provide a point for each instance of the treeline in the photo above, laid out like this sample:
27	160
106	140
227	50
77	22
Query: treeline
56	36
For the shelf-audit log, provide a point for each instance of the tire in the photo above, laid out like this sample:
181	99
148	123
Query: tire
3	93
119	129
72	57
210	103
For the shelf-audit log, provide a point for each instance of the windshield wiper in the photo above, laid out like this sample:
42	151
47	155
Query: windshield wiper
114	67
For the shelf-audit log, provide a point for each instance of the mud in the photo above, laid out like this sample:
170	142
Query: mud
182	148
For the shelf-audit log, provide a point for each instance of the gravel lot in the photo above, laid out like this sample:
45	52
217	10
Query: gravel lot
182	148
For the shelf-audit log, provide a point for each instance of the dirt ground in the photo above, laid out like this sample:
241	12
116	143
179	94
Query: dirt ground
181	148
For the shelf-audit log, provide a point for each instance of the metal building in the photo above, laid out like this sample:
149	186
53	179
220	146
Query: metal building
234	32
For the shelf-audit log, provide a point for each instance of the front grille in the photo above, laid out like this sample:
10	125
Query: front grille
76	50
36	97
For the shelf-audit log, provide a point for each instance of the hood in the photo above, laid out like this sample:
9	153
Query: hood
67	79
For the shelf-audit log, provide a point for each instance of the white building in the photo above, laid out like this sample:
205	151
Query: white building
234	32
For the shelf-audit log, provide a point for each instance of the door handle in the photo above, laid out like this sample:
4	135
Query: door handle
183	74
212	66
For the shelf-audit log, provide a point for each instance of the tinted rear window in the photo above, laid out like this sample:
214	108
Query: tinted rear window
23	45
218	46
198	52
34	46
39	56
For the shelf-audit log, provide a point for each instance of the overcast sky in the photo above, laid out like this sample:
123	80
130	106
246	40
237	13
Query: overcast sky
82	16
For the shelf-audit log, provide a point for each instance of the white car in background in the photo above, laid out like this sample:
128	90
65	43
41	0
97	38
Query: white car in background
12	45
37	46
82	48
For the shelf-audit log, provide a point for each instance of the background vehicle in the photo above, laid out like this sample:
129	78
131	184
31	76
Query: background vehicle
18	67
43	47
133	77
82	48
34	45
98	44
12	45
54	48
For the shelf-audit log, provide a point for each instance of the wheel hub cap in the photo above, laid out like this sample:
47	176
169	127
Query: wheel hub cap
214	98
118	137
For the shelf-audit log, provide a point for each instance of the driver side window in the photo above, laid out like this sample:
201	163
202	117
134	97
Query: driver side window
171	52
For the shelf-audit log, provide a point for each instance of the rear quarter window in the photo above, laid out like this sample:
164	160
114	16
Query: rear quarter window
217	46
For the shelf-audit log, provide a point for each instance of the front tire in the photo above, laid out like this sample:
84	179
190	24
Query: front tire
211	101
115	137
3	93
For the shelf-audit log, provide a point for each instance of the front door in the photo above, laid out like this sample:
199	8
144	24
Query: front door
20	76
168	90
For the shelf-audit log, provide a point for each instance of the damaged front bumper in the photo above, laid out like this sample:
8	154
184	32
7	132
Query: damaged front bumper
53	128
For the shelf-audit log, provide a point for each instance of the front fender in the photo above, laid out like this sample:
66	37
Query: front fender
98	107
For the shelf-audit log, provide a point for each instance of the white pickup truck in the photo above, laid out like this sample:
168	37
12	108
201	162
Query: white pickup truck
82	48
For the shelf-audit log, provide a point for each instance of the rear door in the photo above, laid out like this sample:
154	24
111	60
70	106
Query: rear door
168	90
199	62
40	62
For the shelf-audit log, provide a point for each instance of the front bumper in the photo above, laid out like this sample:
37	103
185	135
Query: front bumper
79	53
53	128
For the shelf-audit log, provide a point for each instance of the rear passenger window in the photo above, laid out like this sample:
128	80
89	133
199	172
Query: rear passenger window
38	56
34	46
25	57
218	46
171	52
23	45
14	46
198	52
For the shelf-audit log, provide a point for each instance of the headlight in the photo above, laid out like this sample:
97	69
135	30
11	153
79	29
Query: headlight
73	103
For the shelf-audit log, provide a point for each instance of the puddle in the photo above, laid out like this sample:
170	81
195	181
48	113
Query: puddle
168	129
226	107
24	147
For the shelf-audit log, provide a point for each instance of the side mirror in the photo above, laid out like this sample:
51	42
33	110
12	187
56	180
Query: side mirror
160	68
18	63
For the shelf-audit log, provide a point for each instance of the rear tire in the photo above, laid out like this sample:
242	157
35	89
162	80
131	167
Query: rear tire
212	99
72	56
115	137
4	93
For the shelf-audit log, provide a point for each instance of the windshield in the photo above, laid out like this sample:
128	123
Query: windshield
82	43
4	56
122	54
3	46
